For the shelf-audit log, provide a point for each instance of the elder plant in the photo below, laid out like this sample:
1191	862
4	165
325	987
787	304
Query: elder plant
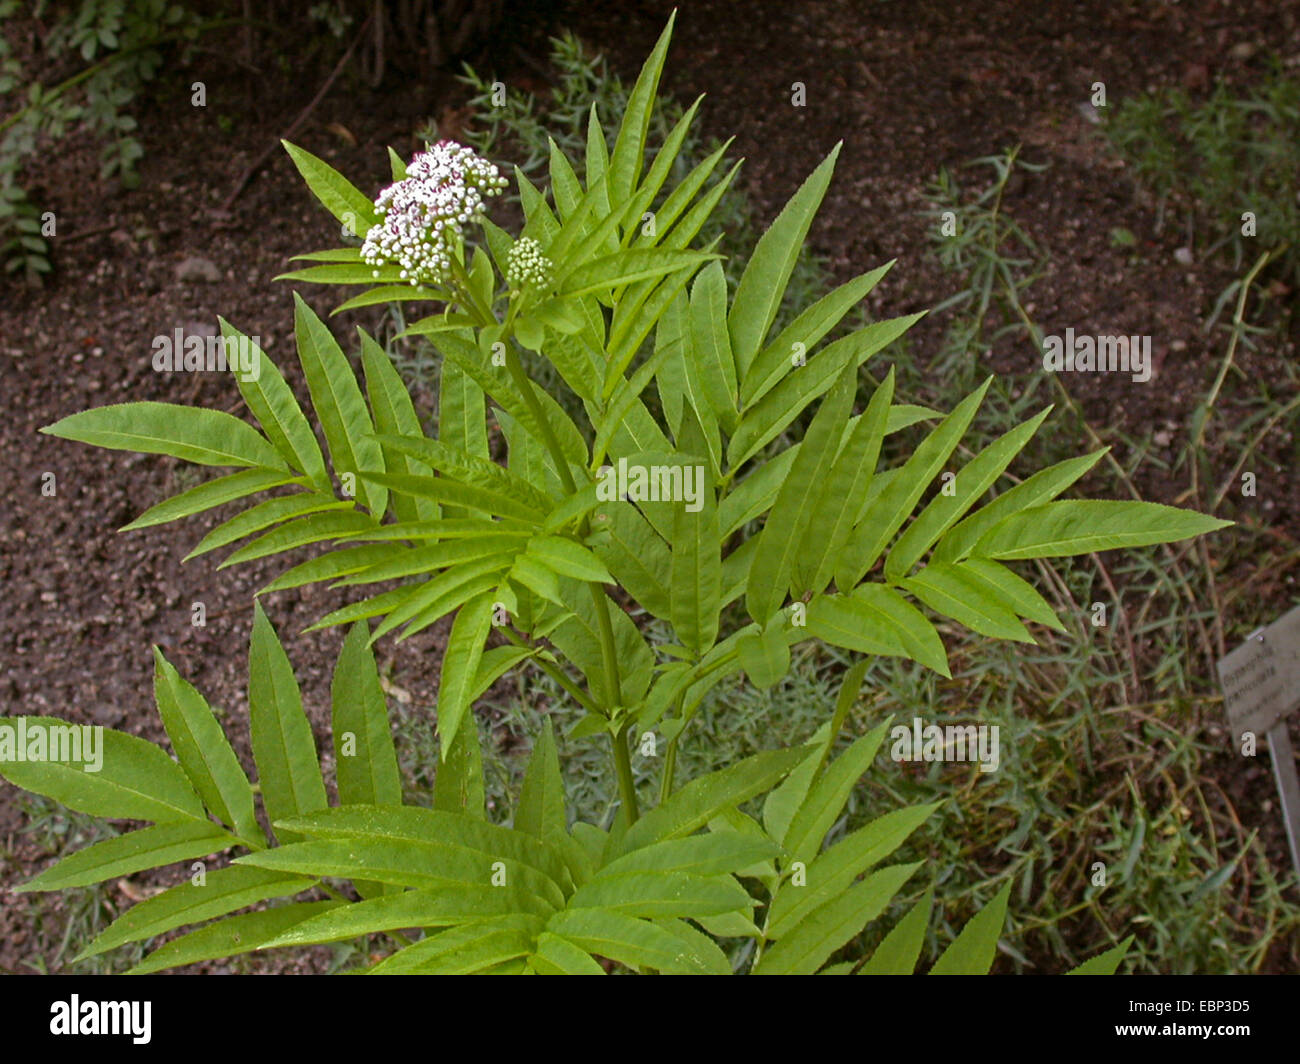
556	557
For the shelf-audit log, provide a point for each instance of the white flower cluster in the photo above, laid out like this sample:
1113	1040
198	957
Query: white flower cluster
526	265
421	215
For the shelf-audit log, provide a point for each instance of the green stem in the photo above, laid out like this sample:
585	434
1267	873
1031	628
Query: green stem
608	647
465	289
670	766
558	675
1237	321
609	654
626	786
525	385
670	757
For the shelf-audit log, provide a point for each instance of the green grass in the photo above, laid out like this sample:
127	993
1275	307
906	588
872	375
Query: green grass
65	922
1208	163
1103	756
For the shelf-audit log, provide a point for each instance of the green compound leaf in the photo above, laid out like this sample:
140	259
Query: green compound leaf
116	775
204	751
232	936
337	398
364	754
973	950
898	951
460	663
808	945
763	283
337	194
133	852
204	437
1081	526
283	747
221	891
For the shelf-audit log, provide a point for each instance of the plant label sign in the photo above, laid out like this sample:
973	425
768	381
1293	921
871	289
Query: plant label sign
1261	678
1261	686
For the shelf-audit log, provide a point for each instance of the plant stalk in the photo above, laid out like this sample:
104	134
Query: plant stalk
670	767
608	647
626	785
556	674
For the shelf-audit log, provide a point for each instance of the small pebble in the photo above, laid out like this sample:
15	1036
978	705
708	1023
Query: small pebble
197	269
